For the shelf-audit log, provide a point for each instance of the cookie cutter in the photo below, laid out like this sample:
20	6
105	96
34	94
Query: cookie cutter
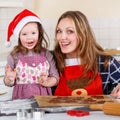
78	113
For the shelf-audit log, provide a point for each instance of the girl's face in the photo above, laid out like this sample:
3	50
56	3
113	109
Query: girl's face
29	35
67	37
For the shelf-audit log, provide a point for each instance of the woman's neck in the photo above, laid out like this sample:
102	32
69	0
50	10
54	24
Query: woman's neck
71	55
72	61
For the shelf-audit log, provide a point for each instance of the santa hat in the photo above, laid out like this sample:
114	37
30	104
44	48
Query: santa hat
18	23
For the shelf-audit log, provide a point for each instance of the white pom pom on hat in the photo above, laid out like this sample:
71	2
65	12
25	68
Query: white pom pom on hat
18	23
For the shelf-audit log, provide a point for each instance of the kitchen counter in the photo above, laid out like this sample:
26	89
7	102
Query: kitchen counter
94	115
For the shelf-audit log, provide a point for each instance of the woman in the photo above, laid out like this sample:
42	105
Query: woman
84	67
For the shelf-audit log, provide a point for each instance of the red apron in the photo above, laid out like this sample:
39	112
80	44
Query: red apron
72	80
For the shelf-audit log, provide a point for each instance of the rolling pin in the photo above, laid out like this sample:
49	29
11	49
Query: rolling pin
111	108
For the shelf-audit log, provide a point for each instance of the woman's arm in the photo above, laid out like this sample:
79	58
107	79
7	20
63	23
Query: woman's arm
110	75
115	77
116	91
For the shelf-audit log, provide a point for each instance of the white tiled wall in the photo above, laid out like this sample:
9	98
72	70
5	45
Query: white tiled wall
106	30
49	26
7	13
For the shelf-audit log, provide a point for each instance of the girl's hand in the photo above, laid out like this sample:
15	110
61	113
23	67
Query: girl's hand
47	81
7	68
116	91
43	79
10	75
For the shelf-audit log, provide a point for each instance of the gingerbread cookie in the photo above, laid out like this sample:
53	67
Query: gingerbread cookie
79	92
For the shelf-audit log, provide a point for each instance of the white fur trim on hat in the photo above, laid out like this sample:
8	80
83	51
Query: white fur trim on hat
7	44
24	21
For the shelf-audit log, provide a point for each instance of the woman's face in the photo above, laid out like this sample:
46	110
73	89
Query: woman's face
29	35
67	37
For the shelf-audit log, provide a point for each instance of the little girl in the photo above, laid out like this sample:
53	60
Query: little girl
30	66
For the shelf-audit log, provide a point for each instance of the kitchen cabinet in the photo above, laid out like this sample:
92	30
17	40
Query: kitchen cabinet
114	52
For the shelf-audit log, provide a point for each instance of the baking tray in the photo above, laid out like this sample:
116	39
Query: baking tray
66	101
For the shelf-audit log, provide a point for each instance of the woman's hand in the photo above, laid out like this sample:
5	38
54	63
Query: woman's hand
116	91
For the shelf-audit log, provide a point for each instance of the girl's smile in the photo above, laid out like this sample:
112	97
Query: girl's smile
29	35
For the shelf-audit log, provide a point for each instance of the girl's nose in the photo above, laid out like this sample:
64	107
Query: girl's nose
29	36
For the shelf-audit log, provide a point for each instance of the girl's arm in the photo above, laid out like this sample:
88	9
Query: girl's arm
52	78
53	72
47	81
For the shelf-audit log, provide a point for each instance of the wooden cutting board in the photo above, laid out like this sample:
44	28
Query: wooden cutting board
61	101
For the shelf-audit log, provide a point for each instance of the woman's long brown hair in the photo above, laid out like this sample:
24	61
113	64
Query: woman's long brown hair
88	48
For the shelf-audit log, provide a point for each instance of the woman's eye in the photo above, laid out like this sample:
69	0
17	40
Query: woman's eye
70	31
58	31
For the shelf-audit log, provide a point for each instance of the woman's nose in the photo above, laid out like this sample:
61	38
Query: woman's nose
63	35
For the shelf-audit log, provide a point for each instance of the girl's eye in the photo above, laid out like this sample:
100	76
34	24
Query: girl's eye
33	33
24	34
